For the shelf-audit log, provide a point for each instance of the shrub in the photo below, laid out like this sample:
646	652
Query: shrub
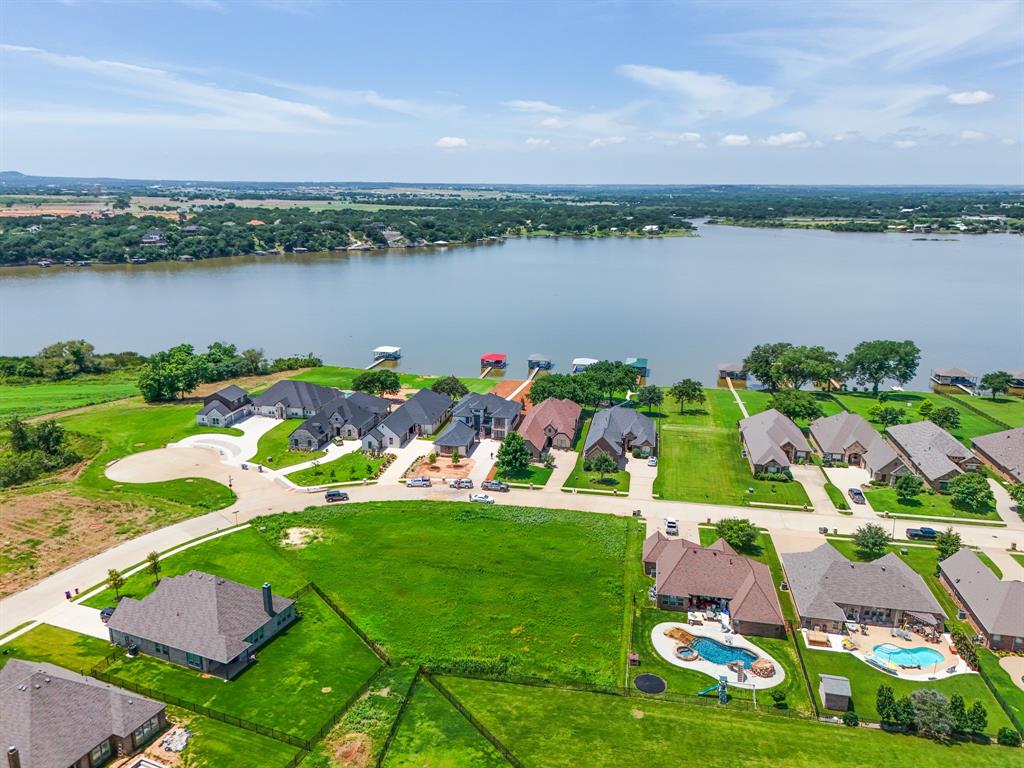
1008	737
965	648
851	719
773	477
779	697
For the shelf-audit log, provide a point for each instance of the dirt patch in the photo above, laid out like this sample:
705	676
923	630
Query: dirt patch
44	532
506	387
443	469
326	689
247	383
638	714
298	537
353	750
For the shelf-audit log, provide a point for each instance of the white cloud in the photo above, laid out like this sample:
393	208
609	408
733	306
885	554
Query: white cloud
535	142
550	122
904	144
708	94
969	135
608	141
735	140
528	105
451	142
689	137
970	98
793	138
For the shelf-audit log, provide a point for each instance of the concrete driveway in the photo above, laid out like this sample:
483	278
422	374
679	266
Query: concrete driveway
1004	506
845	478
641	479
77	618
565	462
232	449
810	477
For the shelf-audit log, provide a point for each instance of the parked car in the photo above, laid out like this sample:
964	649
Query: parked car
856	496
105	614
481	498
671	526
418	482
335	496
494	485
925	533
822	529
652	462
463	482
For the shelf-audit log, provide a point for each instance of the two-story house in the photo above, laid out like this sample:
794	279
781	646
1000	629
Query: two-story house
488	415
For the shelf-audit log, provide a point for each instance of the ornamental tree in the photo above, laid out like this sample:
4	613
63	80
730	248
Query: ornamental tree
970	491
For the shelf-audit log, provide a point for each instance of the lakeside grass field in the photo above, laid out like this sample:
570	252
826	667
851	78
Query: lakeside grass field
26	400
1009	410
342	378
971	424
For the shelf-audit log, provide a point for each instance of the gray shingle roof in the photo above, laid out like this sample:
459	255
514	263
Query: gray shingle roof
490	403
823	579
765	433
297	394
425	407
999	605
458	435
54	716
1004	448
836	685
198	613
357	408
929	447
837	433
231	392
613	424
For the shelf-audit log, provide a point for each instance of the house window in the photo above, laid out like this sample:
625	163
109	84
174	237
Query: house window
194	660
100	754
160	648
671	600
256	636
144	732
996	639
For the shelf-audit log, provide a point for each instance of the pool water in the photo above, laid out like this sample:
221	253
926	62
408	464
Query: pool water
717	653
908	657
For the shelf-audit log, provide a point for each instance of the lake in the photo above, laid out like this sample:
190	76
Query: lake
685	303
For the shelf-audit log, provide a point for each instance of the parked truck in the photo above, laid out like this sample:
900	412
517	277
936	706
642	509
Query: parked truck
923	534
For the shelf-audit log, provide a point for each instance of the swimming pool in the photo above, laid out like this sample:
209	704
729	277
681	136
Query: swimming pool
717	653
908	657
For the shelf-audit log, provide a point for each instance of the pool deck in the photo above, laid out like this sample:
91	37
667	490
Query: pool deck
950	665
666	648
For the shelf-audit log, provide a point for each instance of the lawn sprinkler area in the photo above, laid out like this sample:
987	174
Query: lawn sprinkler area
899	653
712	651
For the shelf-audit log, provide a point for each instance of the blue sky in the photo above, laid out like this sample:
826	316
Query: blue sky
527	92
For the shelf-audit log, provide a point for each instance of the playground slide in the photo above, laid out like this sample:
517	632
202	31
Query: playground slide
709	689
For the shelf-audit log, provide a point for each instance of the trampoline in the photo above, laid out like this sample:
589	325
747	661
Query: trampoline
650	683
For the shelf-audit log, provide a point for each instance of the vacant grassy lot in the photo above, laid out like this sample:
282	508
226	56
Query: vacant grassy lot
511	589
1006	409
352	466
272	450
559	729
433	734
583	479
927	503
700	456
336	376
25	400
302	677
971	424
757	401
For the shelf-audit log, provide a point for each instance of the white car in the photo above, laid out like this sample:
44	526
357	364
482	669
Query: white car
482	498
652	462
418	482
671	526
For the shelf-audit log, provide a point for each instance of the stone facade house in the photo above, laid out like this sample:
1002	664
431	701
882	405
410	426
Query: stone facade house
225	407
932	452
202	622
772	442
290	399
489	415
51	717
422	414
349	416
994	607
550	424
847	437
617	431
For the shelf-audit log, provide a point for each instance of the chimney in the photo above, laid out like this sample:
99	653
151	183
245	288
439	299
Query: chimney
268	599
13	758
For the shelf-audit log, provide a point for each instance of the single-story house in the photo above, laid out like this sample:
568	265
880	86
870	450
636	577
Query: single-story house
348	416
422	414
51	717
954	377
488	414
995	607
551	424
458	436
224	407
654	545
290	399
1003	452
617	431
772	442
835	692
202	621
689	577
932	452
830	590
847	437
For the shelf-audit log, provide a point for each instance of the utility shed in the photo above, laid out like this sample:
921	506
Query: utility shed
834	692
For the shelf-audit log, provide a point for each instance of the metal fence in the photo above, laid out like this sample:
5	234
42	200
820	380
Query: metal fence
382	755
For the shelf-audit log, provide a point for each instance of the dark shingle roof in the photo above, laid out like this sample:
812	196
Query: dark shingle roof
613	423
458	435
54	716
929	447
358	409
297	394
490	403
1006	449
231	392
198	613
999	605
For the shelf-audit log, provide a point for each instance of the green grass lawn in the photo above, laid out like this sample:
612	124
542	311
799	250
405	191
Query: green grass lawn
272	450
559	729
971	424
581	478
504	589
1012	696
927	503
433	734
133	426
758	401
535	473
340	377
67	649
352	466
302	676
218	745
700	456
1007	409
34	399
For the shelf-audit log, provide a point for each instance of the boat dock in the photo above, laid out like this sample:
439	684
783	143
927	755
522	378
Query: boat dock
492	361
381	354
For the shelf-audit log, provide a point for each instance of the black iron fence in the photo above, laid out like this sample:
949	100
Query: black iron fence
393	731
